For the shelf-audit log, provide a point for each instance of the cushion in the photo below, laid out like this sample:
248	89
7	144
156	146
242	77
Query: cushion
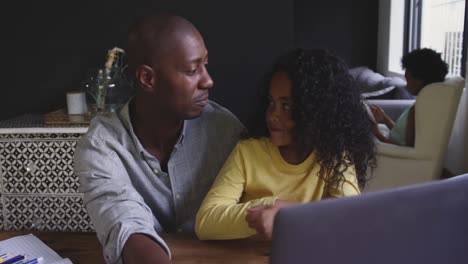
374	85
367	79
385	93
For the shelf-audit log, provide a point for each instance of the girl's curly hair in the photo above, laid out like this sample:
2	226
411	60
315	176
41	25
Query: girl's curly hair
330	116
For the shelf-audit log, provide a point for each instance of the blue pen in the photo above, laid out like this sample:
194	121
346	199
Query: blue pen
33	261
13	259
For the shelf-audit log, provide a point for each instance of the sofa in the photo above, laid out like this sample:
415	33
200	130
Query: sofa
435	112
374	85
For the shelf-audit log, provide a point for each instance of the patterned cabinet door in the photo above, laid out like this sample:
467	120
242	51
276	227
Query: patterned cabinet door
38	187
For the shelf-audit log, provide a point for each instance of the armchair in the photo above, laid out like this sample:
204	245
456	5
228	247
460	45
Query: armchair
435	111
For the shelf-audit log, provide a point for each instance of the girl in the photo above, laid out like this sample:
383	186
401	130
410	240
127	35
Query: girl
422	67
311	140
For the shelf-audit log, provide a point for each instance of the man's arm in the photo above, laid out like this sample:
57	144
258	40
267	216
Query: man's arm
116	209
136	251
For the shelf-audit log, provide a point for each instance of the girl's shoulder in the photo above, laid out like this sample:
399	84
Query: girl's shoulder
254	146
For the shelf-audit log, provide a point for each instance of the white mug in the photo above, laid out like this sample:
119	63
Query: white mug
76	103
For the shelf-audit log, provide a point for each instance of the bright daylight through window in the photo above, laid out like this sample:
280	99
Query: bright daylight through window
442	24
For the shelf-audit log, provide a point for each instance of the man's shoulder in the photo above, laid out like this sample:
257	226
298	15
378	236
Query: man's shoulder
216	129
105	127
219	113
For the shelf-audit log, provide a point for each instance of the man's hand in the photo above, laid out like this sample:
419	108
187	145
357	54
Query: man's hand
141	249
261	218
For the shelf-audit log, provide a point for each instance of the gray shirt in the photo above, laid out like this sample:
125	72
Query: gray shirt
125	190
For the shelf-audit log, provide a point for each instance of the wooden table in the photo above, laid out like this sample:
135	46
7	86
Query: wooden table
83	248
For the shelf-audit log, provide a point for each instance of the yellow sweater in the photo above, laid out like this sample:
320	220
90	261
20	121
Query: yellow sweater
256	174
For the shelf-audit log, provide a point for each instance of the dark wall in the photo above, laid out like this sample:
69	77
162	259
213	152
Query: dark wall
56	43
346	28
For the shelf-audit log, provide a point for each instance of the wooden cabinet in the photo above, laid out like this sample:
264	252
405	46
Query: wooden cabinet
38	189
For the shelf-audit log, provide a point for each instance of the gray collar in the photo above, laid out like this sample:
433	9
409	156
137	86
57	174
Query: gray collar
124	116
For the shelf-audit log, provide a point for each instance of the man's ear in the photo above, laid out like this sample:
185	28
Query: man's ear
146	77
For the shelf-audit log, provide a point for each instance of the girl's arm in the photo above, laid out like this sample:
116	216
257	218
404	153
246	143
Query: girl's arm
410	128
221	215
378	134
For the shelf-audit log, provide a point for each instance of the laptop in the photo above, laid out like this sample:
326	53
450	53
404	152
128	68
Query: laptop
424	223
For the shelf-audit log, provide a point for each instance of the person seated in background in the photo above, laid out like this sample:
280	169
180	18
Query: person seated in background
422	67
310	140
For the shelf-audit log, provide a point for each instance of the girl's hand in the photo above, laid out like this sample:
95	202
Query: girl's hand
379	113
282	203
381	117
261	218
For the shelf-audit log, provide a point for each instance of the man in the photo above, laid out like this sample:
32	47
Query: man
146	169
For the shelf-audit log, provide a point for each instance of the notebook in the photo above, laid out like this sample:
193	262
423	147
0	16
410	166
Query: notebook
424	223
31	247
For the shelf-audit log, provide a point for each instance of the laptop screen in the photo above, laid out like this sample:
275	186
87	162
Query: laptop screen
424	223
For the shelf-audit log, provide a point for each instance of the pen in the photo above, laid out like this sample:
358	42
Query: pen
13	259
33	261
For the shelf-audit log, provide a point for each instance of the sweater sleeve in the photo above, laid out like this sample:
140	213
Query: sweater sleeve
221	215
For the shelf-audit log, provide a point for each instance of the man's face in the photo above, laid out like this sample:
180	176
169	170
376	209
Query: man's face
182	80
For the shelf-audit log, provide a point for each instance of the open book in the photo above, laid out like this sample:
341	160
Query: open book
31	247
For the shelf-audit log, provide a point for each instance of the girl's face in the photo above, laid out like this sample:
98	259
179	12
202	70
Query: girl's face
413	85
279	113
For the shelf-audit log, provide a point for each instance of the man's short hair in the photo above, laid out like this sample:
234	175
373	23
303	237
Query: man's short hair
149	34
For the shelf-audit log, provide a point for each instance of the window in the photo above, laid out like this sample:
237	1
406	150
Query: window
438	24
405	25
391	37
